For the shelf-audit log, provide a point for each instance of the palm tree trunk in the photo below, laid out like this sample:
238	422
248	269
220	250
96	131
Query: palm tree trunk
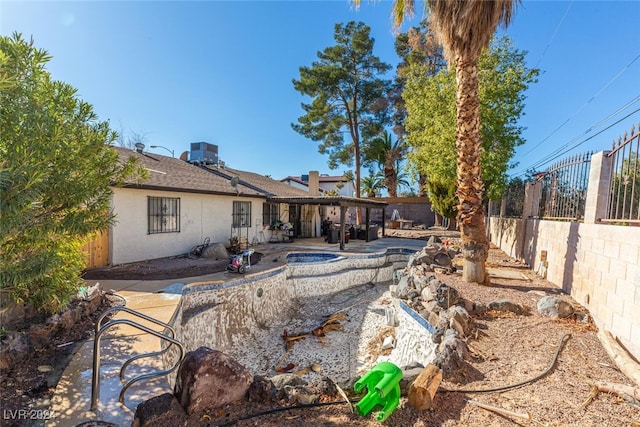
422	182
391	181
470	215
437	218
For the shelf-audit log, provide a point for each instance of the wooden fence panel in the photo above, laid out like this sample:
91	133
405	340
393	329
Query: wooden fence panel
97	251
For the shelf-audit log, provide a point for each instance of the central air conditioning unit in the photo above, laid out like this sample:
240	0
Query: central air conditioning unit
203	153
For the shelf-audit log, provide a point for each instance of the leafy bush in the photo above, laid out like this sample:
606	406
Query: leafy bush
56	172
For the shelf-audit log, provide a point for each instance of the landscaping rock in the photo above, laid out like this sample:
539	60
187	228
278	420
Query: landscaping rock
433	240
555	307
215	251
299	395
261	390
459	320
160	410
404	286
442	259
504	305
420	282
446	296
282	380
451	354
209	379
427	295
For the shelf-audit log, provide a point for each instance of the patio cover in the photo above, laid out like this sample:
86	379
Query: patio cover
342	201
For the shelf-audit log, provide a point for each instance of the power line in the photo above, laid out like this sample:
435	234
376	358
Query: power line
544	161
625	68
566	12
591	128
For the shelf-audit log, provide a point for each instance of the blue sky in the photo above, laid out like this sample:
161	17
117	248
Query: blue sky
221	71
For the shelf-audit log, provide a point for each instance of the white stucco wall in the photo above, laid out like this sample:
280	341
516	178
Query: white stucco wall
201	216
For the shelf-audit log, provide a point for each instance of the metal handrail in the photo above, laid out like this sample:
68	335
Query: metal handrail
95	383
145	317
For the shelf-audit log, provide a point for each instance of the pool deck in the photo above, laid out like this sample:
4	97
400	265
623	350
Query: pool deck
70	404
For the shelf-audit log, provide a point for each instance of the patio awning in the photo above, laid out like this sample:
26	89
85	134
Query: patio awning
329	201
342	201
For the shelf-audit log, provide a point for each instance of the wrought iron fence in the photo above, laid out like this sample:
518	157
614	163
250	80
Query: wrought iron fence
564	188
624	195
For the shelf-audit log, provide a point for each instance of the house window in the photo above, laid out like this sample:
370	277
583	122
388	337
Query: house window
270	213
241	214
163	215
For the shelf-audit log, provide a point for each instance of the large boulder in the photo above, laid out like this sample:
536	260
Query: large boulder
555	307
215	251
209	379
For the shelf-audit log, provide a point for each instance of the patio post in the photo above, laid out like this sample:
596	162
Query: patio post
366	227
342	227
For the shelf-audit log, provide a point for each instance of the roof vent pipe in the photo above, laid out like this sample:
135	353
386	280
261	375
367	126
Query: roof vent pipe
139	147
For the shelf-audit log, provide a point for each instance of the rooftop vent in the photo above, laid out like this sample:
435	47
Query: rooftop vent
203	152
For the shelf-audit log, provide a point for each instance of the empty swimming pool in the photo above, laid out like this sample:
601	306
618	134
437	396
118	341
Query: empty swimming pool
249	318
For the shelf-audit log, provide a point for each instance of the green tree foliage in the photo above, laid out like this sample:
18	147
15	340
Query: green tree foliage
372	184
347	96
418	46
56	171
386	155
514	198
443	198
431	123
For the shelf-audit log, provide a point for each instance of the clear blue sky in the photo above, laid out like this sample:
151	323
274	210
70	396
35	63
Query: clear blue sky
221	71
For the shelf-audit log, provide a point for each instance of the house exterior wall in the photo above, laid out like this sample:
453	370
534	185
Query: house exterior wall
349	189
201	216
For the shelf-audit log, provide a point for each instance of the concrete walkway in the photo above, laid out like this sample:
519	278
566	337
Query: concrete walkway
158	299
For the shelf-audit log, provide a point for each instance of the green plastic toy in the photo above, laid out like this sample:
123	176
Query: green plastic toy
383	389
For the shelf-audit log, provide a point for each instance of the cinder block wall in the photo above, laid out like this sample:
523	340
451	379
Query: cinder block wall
597	264
416	209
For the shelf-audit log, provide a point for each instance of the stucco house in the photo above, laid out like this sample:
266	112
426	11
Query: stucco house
182	203
327	183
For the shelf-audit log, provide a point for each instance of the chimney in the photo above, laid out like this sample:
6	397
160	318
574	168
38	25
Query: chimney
314	183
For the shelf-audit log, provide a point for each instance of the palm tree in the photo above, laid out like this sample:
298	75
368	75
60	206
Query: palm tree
382	151
464	28
372	184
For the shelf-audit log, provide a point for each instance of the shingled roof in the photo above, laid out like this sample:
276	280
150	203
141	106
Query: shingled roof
269	187
171	174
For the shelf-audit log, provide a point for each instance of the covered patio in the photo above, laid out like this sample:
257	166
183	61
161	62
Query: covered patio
343	203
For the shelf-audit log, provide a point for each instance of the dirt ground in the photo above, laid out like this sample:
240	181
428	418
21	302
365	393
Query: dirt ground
506	349
158	269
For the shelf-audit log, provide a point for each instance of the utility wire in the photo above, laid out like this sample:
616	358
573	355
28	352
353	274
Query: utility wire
625	68
545	160
538	164
566	12
591	128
